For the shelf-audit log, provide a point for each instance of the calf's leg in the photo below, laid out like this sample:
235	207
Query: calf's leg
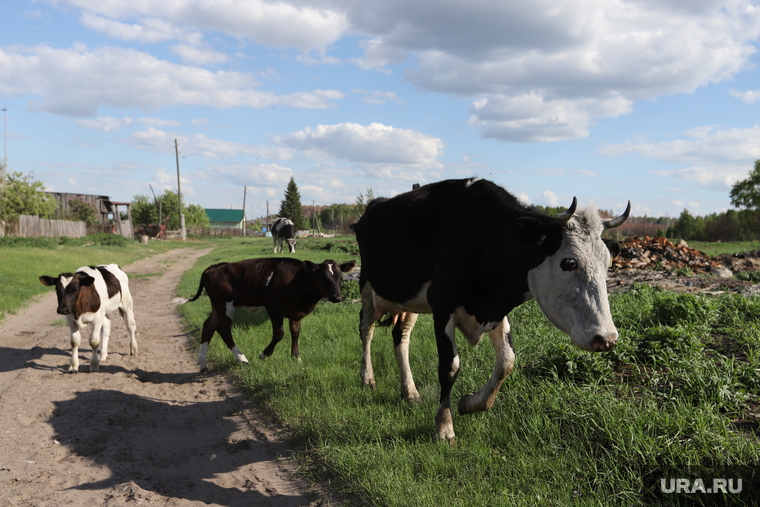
98	325
76	339
278	331
295	331
129	319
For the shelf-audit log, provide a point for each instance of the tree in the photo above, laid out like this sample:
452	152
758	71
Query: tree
290	206
145	211
83	211
19	196
746	193
363	200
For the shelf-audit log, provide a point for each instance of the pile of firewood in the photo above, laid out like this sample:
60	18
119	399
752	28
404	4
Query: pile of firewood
659	253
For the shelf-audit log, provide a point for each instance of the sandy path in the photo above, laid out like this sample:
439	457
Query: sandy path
145	430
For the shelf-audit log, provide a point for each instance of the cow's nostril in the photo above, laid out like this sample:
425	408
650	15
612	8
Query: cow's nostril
601	344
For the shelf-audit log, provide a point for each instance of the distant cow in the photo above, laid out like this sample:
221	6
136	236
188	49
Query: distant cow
283	229
152	231
90	295
286	288
412	263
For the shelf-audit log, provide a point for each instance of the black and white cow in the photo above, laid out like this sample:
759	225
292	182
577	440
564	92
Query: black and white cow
90	295
284	229
412	263
286	288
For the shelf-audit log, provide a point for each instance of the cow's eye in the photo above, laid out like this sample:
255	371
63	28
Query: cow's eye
569	265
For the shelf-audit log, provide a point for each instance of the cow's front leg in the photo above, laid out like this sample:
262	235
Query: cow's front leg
76	339
278	331
105	334
448	370
401	332
366	331
295	332
95	341
501	339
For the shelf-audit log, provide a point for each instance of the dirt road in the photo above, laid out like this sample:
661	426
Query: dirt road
145	430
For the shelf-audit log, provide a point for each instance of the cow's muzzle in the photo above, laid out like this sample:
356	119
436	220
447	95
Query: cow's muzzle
336	299
63	311
601	344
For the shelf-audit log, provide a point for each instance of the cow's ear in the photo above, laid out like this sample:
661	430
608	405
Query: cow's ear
530	230
348	266
86	281
310	266
48	281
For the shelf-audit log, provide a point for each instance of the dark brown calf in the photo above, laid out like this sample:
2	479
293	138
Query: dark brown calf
286	288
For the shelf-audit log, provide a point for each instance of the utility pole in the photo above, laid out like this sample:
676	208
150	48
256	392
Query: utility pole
182	232
245	189
5	148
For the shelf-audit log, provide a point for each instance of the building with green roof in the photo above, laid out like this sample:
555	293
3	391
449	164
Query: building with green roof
226	217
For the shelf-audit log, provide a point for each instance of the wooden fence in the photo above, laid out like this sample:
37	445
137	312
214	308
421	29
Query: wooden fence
220	231
34	226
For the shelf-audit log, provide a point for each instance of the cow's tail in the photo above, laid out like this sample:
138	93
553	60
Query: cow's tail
182	301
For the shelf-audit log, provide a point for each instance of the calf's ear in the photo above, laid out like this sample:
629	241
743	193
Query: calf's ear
530	230
310	266
348	266
48	281
86	281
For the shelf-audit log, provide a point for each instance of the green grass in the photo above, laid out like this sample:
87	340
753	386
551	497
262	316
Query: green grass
675	399
729	247
24	260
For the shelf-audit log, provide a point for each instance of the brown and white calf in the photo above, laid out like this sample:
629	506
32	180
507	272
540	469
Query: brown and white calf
284	287
90	295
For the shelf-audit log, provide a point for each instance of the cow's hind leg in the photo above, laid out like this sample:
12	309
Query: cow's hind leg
207	332
448	370
278	332
401	332
295	332
225	331
501	339
366	331
129	319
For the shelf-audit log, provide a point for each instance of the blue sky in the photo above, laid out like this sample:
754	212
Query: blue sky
653	101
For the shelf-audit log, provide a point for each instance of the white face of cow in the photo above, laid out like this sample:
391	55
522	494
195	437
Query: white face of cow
570	286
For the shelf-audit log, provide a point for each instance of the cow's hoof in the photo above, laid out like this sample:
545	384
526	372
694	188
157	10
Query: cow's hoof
263	356
72	370
370	384
205	370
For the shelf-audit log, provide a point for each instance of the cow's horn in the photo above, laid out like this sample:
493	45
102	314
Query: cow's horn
609	224
564	217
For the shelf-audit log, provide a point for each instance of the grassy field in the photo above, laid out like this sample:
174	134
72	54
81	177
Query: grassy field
24	260
677	399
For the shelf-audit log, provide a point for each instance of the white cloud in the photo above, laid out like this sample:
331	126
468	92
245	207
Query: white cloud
202	146
547	70
276	24
377	96
550	198
79	81
749	96
198	55
713	158
105	123
158	122
371	144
